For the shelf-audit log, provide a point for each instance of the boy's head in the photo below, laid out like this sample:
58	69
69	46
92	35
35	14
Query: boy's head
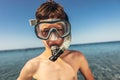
51	10
53	27
52	14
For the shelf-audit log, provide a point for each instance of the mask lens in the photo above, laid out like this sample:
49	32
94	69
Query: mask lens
60	29
44	29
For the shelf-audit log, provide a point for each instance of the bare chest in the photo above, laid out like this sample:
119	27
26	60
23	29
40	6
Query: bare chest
55	71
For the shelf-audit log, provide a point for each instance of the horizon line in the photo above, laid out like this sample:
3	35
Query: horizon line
70	45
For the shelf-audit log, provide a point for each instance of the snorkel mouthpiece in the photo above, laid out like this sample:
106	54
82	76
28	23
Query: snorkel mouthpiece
56	52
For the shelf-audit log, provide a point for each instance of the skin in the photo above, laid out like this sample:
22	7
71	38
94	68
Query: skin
64	68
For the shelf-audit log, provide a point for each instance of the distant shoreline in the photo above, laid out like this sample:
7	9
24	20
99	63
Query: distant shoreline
96	43
32	48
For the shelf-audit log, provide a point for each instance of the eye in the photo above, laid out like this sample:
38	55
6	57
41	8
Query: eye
46	30
61	31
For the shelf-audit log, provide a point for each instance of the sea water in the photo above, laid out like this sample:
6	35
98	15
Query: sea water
103	59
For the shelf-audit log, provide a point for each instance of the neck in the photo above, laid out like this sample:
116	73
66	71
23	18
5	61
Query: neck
47	52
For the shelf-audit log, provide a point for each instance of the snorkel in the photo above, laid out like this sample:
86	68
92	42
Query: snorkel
55	50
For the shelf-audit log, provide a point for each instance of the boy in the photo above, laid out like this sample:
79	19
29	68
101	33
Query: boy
56	62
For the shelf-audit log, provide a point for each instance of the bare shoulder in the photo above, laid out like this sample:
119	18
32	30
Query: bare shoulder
29	69
32	63
74	57
77	57
76	54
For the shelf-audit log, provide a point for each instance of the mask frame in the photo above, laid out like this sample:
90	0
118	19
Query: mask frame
52	22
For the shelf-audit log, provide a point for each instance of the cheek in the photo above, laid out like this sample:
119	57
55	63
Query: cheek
45	43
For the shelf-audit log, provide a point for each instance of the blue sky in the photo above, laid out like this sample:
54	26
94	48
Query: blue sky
91	20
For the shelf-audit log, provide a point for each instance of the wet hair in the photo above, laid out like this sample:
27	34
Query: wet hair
51	10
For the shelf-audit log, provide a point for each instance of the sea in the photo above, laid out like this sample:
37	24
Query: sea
103	59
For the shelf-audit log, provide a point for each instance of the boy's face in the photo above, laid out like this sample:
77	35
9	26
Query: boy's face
52	33
54	38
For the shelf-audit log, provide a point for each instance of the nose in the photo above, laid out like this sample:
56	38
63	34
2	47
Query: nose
53	36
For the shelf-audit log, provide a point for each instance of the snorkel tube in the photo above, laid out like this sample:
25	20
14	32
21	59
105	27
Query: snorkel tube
55	50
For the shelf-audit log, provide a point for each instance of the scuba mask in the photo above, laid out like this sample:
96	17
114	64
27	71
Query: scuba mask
55	28
61	27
